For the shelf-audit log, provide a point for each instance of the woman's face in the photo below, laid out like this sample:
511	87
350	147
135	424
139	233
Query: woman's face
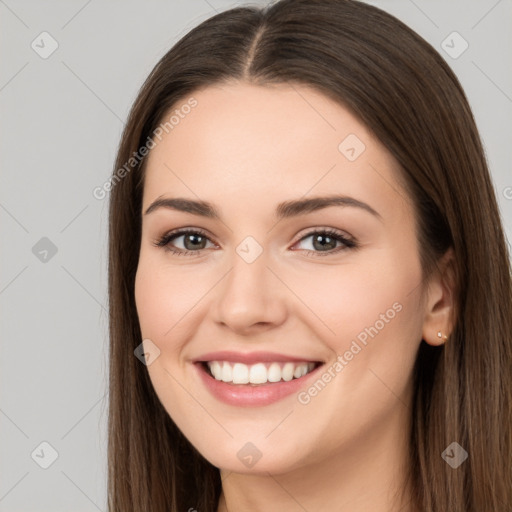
261	292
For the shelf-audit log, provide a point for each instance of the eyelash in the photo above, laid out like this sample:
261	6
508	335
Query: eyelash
164	241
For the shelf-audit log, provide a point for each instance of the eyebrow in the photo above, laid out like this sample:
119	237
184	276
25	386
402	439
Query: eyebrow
284	210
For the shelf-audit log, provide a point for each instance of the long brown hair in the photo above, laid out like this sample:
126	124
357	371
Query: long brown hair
401	88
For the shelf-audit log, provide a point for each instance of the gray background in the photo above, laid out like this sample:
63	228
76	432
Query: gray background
61	120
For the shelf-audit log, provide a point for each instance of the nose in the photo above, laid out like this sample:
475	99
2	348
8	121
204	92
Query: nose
250	298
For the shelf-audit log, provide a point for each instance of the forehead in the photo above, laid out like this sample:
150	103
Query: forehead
261	144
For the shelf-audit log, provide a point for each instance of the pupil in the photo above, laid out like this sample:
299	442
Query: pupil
196	239
324	238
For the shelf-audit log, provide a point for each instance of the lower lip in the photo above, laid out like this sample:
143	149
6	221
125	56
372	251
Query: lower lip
247	395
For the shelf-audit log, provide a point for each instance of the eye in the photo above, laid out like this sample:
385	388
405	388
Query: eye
324	242
194	240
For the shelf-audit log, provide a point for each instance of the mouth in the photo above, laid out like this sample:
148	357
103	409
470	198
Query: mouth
255	379
258	374
260	380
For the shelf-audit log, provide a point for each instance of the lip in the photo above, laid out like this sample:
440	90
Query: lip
247	395
252	357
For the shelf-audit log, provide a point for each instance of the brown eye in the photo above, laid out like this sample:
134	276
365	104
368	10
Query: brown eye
193	241
324	242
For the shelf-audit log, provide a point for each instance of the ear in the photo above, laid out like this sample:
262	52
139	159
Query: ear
440	301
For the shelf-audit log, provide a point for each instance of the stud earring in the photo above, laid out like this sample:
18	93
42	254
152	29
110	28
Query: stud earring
440	335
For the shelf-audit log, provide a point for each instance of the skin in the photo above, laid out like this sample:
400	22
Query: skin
247	148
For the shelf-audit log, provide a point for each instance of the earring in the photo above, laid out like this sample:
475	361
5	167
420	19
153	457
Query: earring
440	335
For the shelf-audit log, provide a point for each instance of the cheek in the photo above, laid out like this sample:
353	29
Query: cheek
345	300
370	315
164	297
151	301
165	303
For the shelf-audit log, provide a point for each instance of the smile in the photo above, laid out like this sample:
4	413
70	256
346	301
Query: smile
254	379
259	373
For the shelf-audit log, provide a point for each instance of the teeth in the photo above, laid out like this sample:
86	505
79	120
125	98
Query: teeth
227	372
287	371
216	369
259	373
240	373
274	373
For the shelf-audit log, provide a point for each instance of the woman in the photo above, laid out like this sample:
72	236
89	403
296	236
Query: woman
307	260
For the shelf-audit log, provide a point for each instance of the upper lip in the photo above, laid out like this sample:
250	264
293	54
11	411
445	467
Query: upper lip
251	357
